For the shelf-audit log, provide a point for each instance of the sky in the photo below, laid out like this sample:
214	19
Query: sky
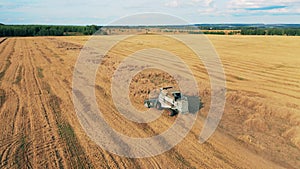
103	12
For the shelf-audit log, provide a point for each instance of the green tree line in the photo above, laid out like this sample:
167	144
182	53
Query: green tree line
54	30
271	31
256	31
46	30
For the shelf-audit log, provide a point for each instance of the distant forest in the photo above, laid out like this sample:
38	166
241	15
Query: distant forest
220	29
271	31
255	29
46	30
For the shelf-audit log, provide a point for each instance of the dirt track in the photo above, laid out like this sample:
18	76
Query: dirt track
260	127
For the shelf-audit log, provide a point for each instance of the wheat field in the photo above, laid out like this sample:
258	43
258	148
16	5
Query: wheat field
260	127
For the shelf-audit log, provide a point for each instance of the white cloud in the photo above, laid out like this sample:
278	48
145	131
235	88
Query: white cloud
173	4
204	7
203	2
208	11
245	3
263	6
190	3
105	11
238	4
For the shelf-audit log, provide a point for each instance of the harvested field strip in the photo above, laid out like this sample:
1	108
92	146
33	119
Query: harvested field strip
261	72
6	153
19	76
2	97
43	54
64	44
7	59
2	73
262	75
40	136
66	132
3	46
17	109
75	152
21	156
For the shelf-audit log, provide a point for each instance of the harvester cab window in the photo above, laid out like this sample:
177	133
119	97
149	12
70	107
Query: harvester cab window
177	96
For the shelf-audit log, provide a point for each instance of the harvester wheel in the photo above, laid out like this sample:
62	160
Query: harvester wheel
172	112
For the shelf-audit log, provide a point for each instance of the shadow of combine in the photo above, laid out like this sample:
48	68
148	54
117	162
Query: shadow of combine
195	104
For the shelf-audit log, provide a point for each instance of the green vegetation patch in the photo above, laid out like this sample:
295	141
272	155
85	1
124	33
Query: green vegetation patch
20	152
66	132
2	97
19	76
2	73
40	72
239	78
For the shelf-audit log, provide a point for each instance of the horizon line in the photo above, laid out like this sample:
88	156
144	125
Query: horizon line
105	25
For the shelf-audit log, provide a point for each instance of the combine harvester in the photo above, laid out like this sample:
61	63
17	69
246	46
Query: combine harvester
169	99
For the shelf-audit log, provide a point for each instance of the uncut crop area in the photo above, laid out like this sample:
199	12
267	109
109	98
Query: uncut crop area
260	127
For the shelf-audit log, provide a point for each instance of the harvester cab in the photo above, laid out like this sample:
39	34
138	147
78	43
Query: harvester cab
170	99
